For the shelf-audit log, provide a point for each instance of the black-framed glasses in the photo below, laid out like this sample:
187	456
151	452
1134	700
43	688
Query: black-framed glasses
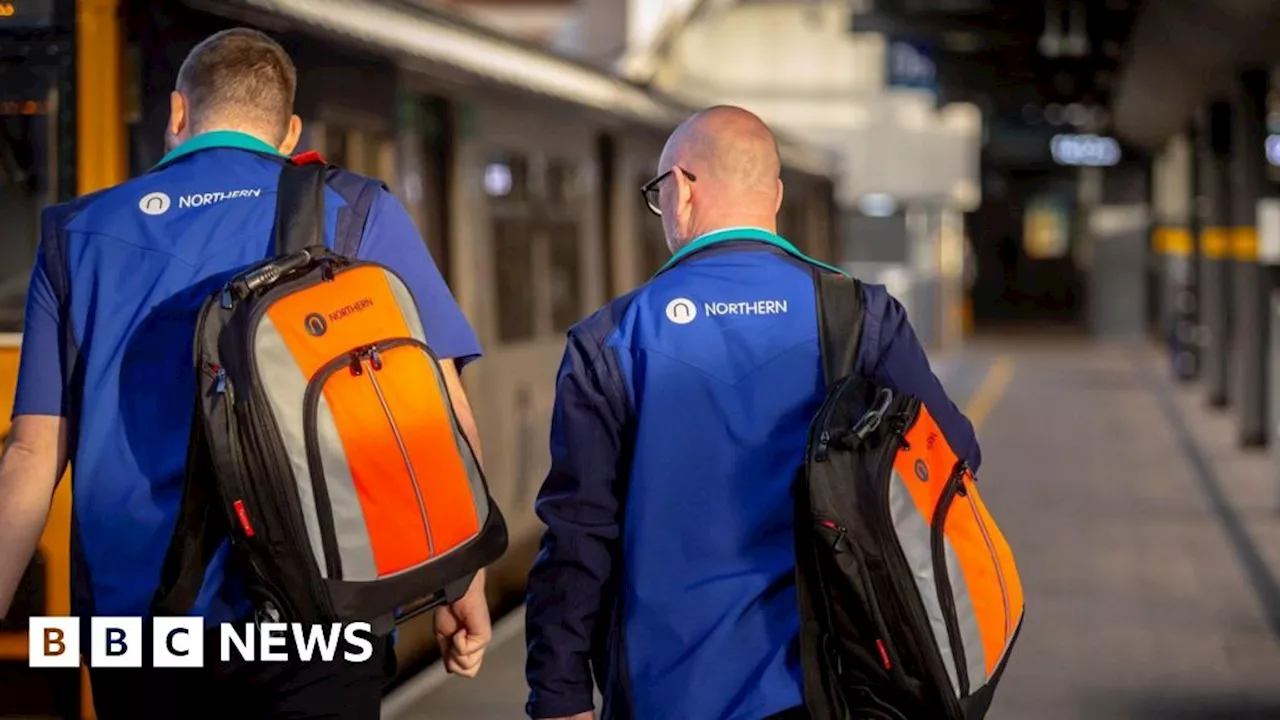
650	189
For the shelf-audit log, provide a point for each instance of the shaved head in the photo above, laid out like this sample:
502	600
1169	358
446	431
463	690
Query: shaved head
729	145
732	158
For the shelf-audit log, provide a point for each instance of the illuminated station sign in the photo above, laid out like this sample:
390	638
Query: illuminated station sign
1085	150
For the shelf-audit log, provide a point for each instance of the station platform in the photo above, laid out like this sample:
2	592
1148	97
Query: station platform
1148	542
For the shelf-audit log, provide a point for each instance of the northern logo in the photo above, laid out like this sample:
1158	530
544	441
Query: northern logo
681	311
922	471
156	203
316	324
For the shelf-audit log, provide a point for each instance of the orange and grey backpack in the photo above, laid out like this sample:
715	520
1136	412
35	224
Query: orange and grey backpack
910	600
324	443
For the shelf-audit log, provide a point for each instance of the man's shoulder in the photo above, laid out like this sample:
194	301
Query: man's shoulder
354	187
59	216
877	301
592	333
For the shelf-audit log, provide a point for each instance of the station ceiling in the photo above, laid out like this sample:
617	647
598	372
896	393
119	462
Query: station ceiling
1185	53
1006	54
1143	67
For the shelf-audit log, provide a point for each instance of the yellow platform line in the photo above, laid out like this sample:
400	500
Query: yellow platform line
990	391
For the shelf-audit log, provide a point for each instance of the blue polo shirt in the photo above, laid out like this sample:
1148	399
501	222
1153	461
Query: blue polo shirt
118	281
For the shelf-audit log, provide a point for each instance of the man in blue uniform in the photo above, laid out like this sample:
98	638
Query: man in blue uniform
681	413
106	377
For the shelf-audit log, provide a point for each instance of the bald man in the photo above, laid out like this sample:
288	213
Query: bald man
681	417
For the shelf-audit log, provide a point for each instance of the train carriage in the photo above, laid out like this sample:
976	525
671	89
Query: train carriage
521	169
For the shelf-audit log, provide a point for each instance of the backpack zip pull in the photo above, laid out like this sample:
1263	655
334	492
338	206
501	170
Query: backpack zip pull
820	453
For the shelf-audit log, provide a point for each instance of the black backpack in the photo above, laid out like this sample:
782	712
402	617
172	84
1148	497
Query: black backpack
909	597
324	443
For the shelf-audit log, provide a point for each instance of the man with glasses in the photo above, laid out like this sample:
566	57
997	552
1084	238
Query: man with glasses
681	416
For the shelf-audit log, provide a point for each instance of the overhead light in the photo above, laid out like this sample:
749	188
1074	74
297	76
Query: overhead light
497	180
1076	43
1273	149
1051	39
1054	114
877	205
1078	114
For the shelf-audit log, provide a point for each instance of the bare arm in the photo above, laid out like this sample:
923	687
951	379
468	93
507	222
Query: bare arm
33	460
462	407
464	629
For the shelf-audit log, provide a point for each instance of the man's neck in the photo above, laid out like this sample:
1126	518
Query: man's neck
251	132
736	224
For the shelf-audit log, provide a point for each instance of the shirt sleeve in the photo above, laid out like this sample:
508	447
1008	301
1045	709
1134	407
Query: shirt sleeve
901	364
391	239
579	502
41	371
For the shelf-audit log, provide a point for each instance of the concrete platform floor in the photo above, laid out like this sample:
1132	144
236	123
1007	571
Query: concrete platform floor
1148	542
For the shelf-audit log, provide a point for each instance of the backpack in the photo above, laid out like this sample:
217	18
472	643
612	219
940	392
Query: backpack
909	597
324	443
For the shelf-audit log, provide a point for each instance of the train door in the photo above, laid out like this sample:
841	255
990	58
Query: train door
637	245
361	143
821	229
530	264
792	216
37	168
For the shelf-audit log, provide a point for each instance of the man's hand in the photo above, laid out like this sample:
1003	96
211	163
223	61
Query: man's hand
463	630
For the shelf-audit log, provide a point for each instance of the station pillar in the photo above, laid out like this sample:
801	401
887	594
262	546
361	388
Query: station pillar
1250	282
1214	210
1171	197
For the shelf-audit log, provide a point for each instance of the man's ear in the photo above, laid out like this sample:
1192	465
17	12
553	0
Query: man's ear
178	117
292	137
778	206
684	190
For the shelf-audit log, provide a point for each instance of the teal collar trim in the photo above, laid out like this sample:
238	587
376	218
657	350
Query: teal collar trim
745	233
218	139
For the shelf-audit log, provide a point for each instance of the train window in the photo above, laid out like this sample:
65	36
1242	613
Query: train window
335	145
426	185
537	233
516	274
654	252
561	182
27	171
366	151
506	177
791	218
566	289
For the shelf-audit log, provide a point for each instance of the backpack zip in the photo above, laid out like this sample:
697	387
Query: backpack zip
373	359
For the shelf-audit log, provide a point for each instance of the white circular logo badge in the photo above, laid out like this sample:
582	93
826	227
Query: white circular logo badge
156	203
681	311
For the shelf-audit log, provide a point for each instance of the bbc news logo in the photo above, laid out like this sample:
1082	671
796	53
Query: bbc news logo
176	642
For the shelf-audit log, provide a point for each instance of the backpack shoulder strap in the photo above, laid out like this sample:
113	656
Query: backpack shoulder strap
300	207
359	192
840	316
199	531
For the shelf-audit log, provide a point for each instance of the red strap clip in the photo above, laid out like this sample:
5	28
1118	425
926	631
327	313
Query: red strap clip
243	516
884	655
307	158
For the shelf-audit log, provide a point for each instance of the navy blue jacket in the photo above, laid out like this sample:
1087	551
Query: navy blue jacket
681	415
